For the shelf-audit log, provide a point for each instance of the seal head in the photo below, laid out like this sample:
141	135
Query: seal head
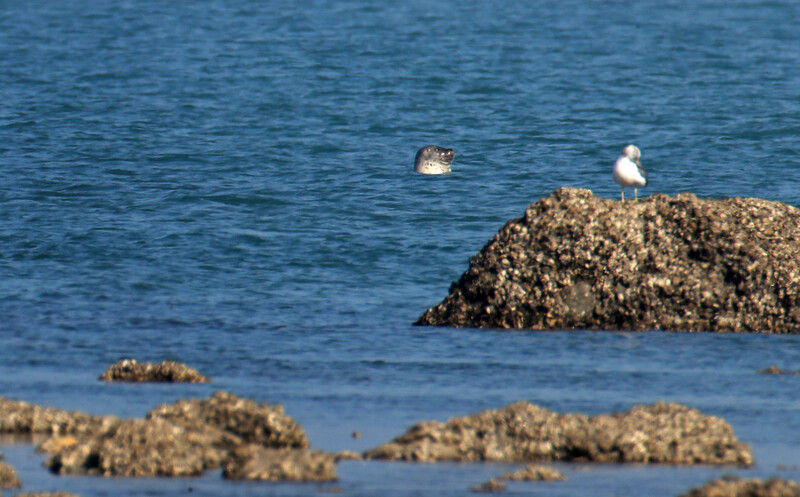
433	159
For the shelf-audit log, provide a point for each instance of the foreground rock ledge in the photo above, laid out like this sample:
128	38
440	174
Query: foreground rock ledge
185	438
675	263
657	433
128	370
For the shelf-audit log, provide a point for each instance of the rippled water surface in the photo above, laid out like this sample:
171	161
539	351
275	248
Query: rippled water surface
228	183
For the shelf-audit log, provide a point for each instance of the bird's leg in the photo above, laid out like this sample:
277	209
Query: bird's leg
635	194
622	195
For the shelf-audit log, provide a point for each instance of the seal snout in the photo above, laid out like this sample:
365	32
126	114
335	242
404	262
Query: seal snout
447	155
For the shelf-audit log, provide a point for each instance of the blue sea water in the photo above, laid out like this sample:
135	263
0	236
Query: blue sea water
229	184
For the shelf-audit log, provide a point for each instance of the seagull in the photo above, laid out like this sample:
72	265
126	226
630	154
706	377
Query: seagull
628	171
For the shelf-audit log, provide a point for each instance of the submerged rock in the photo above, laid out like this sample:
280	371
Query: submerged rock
733	486
8	475
657	433
534	472
347	455
676	263
489	487
129	370
254	462
47	494
776	370
185	438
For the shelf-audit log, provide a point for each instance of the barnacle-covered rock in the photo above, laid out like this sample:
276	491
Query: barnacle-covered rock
656	433
682	263
129	370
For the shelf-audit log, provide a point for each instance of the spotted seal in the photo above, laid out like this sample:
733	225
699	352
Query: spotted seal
433	159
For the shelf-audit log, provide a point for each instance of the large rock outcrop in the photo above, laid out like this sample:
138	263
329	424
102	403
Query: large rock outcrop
657	433
678	263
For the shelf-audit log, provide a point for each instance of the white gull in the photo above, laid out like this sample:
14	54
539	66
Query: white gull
628	171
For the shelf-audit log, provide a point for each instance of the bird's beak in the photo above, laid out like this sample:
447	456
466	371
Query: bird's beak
638	163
